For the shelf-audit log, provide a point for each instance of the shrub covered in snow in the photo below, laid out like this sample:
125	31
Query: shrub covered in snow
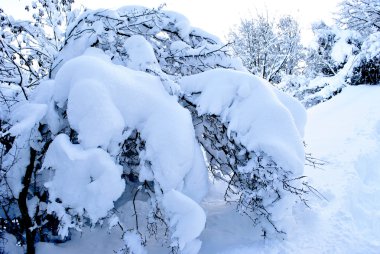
330	63
367	67
136	111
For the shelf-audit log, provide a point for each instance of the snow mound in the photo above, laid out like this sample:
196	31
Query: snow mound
84	112
133	241
371	46
263	118
140	54
98	92
187	220
26	116
94	179
345	132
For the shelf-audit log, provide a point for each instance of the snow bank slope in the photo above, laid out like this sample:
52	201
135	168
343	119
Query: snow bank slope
344	131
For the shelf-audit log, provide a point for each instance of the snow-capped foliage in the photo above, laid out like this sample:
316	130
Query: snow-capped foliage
187	220
227	108
371	46
346	44
94	179
367	66
134	106
239	99
332	58
360	15
102	92
27	48
331	49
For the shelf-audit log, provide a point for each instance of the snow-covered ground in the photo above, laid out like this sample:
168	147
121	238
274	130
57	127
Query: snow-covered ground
344	132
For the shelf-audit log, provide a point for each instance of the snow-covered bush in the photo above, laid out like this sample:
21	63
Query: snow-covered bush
330	50
330	65
135	111
367	66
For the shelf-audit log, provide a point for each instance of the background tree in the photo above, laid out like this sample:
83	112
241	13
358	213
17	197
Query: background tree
268	48
342	54
366	69
359	15
363	16
319	60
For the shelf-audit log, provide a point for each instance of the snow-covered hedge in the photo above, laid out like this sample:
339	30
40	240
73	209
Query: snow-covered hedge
139	110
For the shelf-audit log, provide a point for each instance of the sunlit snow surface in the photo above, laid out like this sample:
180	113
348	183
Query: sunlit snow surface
345	132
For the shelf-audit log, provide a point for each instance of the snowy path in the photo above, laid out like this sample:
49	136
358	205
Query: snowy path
344	131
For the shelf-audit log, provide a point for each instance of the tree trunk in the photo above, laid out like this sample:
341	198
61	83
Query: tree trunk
22	203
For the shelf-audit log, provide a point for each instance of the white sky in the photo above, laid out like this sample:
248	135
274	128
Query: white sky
218	16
